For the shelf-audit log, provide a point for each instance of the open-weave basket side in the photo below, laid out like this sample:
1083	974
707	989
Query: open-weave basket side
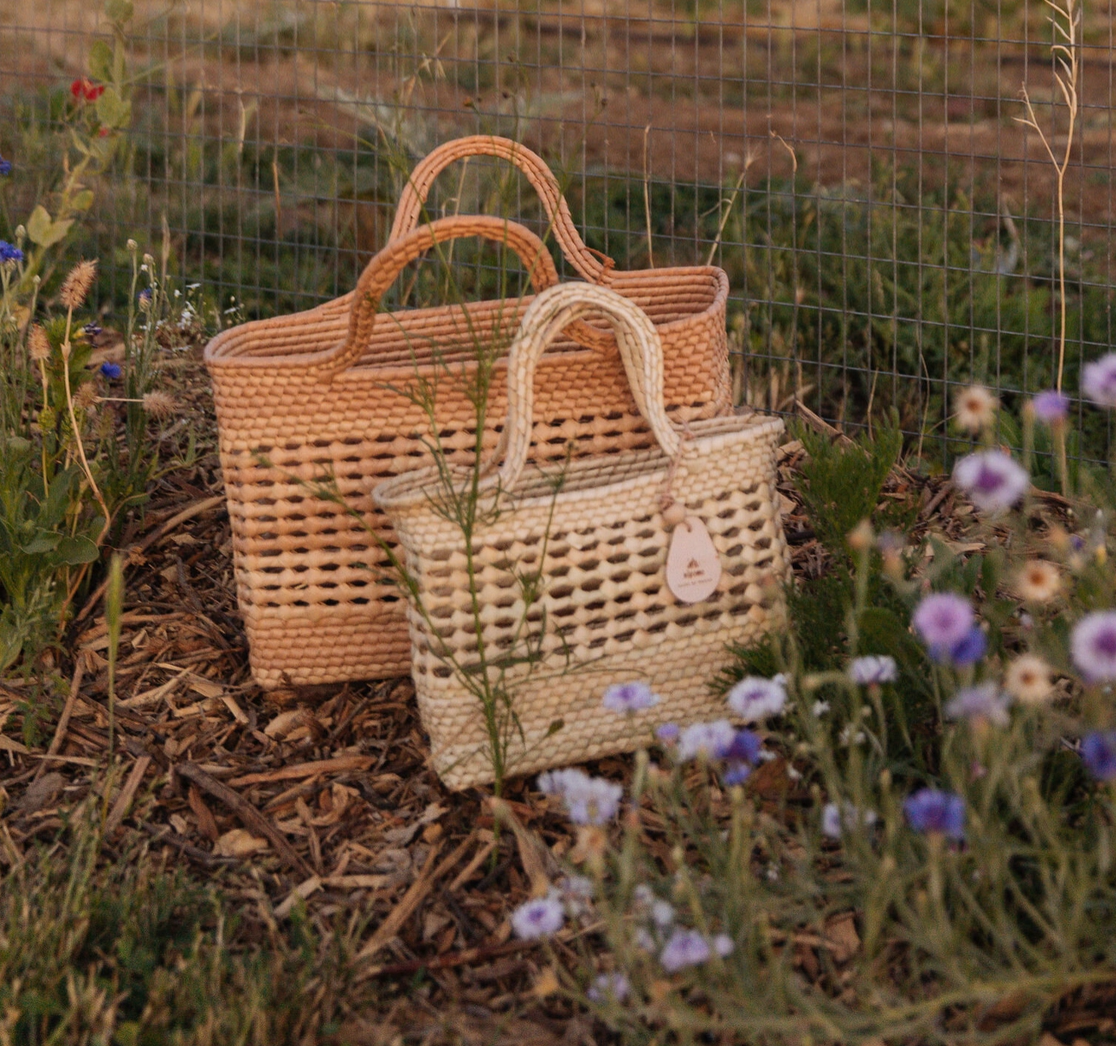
606	615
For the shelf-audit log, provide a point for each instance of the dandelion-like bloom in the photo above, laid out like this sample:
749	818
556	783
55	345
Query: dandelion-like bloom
754	699
76	286
975	408
933	811
1093	646
873	669
705	740
111	370
629	697
159	404
1038	581
685	948
1028	680
85	396
741	756
985	703
538	918
1098	753
1050	407
943	620
589	800
38	344
1098	380
9	253
845	818
613	986
993	480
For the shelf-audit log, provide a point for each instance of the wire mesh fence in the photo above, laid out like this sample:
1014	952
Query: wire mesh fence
861	169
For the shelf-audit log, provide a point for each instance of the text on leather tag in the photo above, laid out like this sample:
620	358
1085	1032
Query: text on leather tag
693	567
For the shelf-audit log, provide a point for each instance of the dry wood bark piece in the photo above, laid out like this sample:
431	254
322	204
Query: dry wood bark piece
338	764
124	801
253	820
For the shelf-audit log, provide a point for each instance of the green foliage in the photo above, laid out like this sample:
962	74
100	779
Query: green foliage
840	484
130	952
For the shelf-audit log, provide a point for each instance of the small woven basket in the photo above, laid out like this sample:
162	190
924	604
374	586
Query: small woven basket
316	396
594	534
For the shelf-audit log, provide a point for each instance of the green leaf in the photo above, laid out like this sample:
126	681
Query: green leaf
41	544
119	10
100	60
77	549
83	200
112	110
39	226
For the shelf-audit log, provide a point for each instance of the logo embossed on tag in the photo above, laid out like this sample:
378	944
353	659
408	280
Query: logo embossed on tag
693	567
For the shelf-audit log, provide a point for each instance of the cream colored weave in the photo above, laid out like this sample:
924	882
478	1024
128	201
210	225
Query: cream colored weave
606	615
314	394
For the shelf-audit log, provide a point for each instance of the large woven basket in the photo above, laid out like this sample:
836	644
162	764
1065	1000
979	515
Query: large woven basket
315	395
595	534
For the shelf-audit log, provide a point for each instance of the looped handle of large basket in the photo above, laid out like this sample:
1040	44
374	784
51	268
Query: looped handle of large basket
591	265
382	271
546	317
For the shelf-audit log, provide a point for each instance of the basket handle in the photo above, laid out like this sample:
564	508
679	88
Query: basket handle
549	314
590	265
382	271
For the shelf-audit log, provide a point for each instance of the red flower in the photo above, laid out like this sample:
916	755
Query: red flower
84	90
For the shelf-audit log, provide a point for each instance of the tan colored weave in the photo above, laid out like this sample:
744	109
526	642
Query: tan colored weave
606	614
303	397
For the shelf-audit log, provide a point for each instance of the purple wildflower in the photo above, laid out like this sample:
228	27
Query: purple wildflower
869	670
613	986
968	651
9	252
589	800
91	330
668	733
984	703
110	370
943	620
707	740
144	299
1098	753
741	756
845	818
1098	380
1093	646
5	167
685	948
754	699
1051	406
932	811
629	697
538	918
993	480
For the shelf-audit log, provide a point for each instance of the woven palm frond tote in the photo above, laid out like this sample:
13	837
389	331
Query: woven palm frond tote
320	396
574	565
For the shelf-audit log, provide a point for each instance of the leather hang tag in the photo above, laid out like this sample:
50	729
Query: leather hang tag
693	567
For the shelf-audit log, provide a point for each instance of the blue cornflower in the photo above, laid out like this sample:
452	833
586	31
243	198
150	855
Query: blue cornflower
629	697
144	298
110	370
933	811
5	167
1098	753
9	252
968	651
741	756
1051	406
91	330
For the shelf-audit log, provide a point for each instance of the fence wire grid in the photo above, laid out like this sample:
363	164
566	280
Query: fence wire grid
860	168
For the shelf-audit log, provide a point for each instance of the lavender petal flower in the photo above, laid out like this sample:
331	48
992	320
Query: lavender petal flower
930	810
993	480
1093	646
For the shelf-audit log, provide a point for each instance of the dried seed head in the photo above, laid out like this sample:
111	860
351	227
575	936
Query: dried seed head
38	344
85	396
76	285
159	404
47	419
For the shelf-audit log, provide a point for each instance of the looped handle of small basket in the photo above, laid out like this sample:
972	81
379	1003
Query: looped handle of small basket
382	271
591	265
640	349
